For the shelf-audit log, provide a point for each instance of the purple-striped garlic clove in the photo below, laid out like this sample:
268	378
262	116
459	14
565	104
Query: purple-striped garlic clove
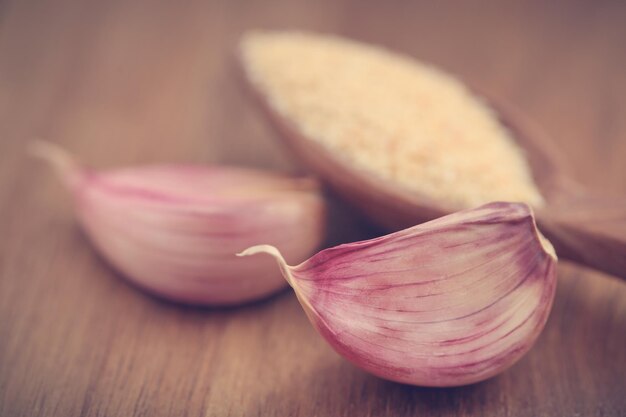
174	230
449	302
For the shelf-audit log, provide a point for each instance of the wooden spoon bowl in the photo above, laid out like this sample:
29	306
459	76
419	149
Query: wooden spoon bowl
583	227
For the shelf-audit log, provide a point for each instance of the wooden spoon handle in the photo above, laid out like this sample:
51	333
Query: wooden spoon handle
589	230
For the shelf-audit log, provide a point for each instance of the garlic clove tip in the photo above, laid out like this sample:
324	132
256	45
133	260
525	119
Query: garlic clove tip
275	253
59	159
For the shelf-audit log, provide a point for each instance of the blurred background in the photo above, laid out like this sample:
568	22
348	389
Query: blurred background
129	81
132	73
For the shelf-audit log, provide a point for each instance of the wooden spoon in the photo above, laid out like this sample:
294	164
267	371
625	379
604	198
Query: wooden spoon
583	227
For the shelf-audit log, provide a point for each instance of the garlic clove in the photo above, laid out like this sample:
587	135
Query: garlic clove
449	302
174	230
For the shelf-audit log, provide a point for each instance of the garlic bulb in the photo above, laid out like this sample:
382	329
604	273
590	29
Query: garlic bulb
174	230
445	303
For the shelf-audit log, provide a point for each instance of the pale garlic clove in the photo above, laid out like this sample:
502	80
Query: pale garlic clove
449	302
174	230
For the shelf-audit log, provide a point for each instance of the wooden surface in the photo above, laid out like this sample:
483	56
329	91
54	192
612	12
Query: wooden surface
125	82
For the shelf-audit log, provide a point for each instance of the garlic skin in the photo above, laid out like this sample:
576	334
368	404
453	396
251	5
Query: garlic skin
449	302
174	230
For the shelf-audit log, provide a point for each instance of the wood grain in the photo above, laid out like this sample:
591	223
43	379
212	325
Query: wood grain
123	82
